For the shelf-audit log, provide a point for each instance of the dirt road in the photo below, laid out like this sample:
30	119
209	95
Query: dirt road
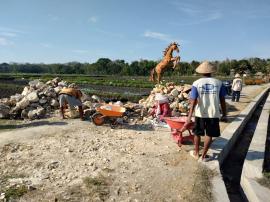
71	159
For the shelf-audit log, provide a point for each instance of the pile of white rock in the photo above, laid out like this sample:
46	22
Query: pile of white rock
37	100
178	96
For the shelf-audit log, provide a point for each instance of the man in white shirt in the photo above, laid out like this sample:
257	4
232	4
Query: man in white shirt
207	94
236	88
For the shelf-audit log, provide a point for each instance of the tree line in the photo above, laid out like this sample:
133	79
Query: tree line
105	66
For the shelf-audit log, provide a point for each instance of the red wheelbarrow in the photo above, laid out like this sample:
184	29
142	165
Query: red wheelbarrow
176	124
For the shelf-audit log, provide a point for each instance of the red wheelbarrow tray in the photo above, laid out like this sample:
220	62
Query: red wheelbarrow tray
176	124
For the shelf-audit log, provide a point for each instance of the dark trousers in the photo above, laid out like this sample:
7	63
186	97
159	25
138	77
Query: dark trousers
236	96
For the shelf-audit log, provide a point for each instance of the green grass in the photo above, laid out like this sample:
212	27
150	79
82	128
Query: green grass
118	96
13	192
98	186
110	80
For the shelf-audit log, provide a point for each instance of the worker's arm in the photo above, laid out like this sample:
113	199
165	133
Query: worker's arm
191	110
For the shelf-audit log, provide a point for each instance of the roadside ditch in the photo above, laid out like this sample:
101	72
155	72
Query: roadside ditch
231	169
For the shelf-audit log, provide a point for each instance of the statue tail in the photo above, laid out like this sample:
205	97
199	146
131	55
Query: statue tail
152	75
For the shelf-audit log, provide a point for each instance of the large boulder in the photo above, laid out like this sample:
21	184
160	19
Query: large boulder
22	104
62	84
56	80
54	103
174	92
58	89
87	105
25	91
50	92
32	97
6	101
4	111
41	85
36	113
15	98
43	100
33	84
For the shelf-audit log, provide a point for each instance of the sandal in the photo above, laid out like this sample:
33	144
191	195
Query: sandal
205	159
191	153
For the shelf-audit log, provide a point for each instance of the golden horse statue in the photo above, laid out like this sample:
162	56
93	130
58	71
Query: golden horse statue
167	61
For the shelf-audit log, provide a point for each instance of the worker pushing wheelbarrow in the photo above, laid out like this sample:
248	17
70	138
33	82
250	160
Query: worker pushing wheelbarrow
109	114
176	124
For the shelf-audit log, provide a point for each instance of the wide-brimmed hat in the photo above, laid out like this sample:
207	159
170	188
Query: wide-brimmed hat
237	75
206	68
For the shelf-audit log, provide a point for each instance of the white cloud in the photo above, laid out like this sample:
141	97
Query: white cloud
5	42
11	30
8	34
161	37
93	19
197	13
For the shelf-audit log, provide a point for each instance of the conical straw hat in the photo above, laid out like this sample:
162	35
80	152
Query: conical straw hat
205	68
237	75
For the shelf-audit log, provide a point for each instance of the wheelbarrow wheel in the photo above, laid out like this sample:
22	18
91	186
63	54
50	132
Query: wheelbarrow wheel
98	119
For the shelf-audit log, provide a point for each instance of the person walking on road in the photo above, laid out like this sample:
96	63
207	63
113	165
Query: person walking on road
207	94
236	88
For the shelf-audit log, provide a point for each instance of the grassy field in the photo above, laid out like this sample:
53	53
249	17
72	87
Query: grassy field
112	80
133	87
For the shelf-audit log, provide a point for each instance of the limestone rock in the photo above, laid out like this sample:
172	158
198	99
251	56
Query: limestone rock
40	85
24	113
56	80
6	101
87	105
96	98
174	92
58	89
34	105
25	91
4	111
36	113
33	82
62	84
54	103
32	97
43	100
50	92
22	104
15	98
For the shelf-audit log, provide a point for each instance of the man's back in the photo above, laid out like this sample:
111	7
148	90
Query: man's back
71	91
208	96
237	84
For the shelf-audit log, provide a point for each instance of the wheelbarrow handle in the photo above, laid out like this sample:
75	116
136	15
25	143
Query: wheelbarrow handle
184	127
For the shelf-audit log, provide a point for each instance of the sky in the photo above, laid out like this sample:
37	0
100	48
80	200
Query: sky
60	31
